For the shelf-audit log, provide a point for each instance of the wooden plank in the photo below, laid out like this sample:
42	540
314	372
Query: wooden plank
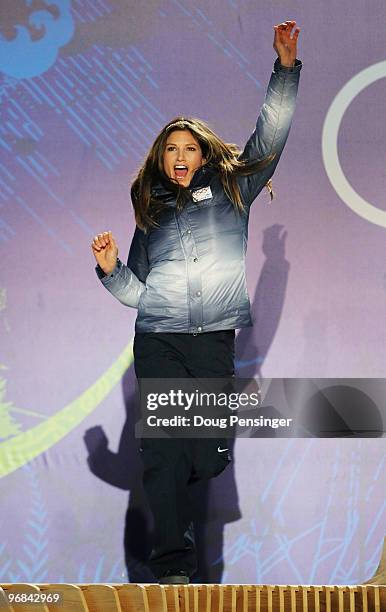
328	591
246	590
281	590
365	607
101	597
216	598
341	598
185	592
258	598
145	597
67	594
196	593
270	589
156	597
293	592
233	598
130	597
316	591
176	593
377	600
171	597
352	590
208	598
4	605
221	592
228	603
305	598
17	592
72	596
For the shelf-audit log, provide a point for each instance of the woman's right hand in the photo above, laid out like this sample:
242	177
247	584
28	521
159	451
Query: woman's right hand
105	251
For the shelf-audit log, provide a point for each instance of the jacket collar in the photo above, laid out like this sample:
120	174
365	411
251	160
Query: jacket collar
200	178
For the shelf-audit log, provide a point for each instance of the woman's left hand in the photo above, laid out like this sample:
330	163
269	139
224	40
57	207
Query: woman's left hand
284	45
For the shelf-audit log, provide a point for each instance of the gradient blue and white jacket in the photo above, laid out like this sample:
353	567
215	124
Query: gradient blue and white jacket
188	275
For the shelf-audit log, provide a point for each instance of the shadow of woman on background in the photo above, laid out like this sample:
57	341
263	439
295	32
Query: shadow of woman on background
253	343
214	501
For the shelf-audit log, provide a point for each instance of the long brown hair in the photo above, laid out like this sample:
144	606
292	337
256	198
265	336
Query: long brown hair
223	156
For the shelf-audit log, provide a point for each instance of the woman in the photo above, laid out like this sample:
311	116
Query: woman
186	275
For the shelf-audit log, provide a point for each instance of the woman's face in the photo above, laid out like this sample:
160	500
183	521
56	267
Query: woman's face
182	156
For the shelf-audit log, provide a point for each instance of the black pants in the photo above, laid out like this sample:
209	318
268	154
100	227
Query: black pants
170	465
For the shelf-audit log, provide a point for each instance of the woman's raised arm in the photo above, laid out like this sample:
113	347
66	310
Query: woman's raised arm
275	117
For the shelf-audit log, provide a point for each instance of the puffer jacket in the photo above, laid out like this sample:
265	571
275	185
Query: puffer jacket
188	275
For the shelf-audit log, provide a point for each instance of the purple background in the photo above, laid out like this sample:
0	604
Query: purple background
72	136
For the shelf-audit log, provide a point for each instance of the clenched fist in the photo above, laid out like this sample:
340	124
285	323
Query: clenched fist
285	45
105	251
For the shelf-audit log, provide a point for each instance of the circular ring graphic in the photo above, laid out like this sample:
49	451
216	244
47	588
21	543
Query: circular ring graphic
330	133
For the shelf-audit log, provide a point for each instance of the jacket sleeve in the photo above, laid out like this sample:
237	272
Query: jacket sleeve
127	283
122	283
272	127
137	259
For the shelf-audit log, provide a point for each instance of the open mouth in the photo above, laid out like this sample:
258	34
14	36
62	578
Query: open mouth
180	171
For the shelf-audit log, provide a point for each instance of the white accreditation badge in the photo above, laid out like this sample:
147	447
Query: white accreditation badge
202	194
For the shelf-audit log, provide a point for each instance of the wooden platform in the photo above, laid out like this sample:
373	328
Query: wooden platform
192	598
367	597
